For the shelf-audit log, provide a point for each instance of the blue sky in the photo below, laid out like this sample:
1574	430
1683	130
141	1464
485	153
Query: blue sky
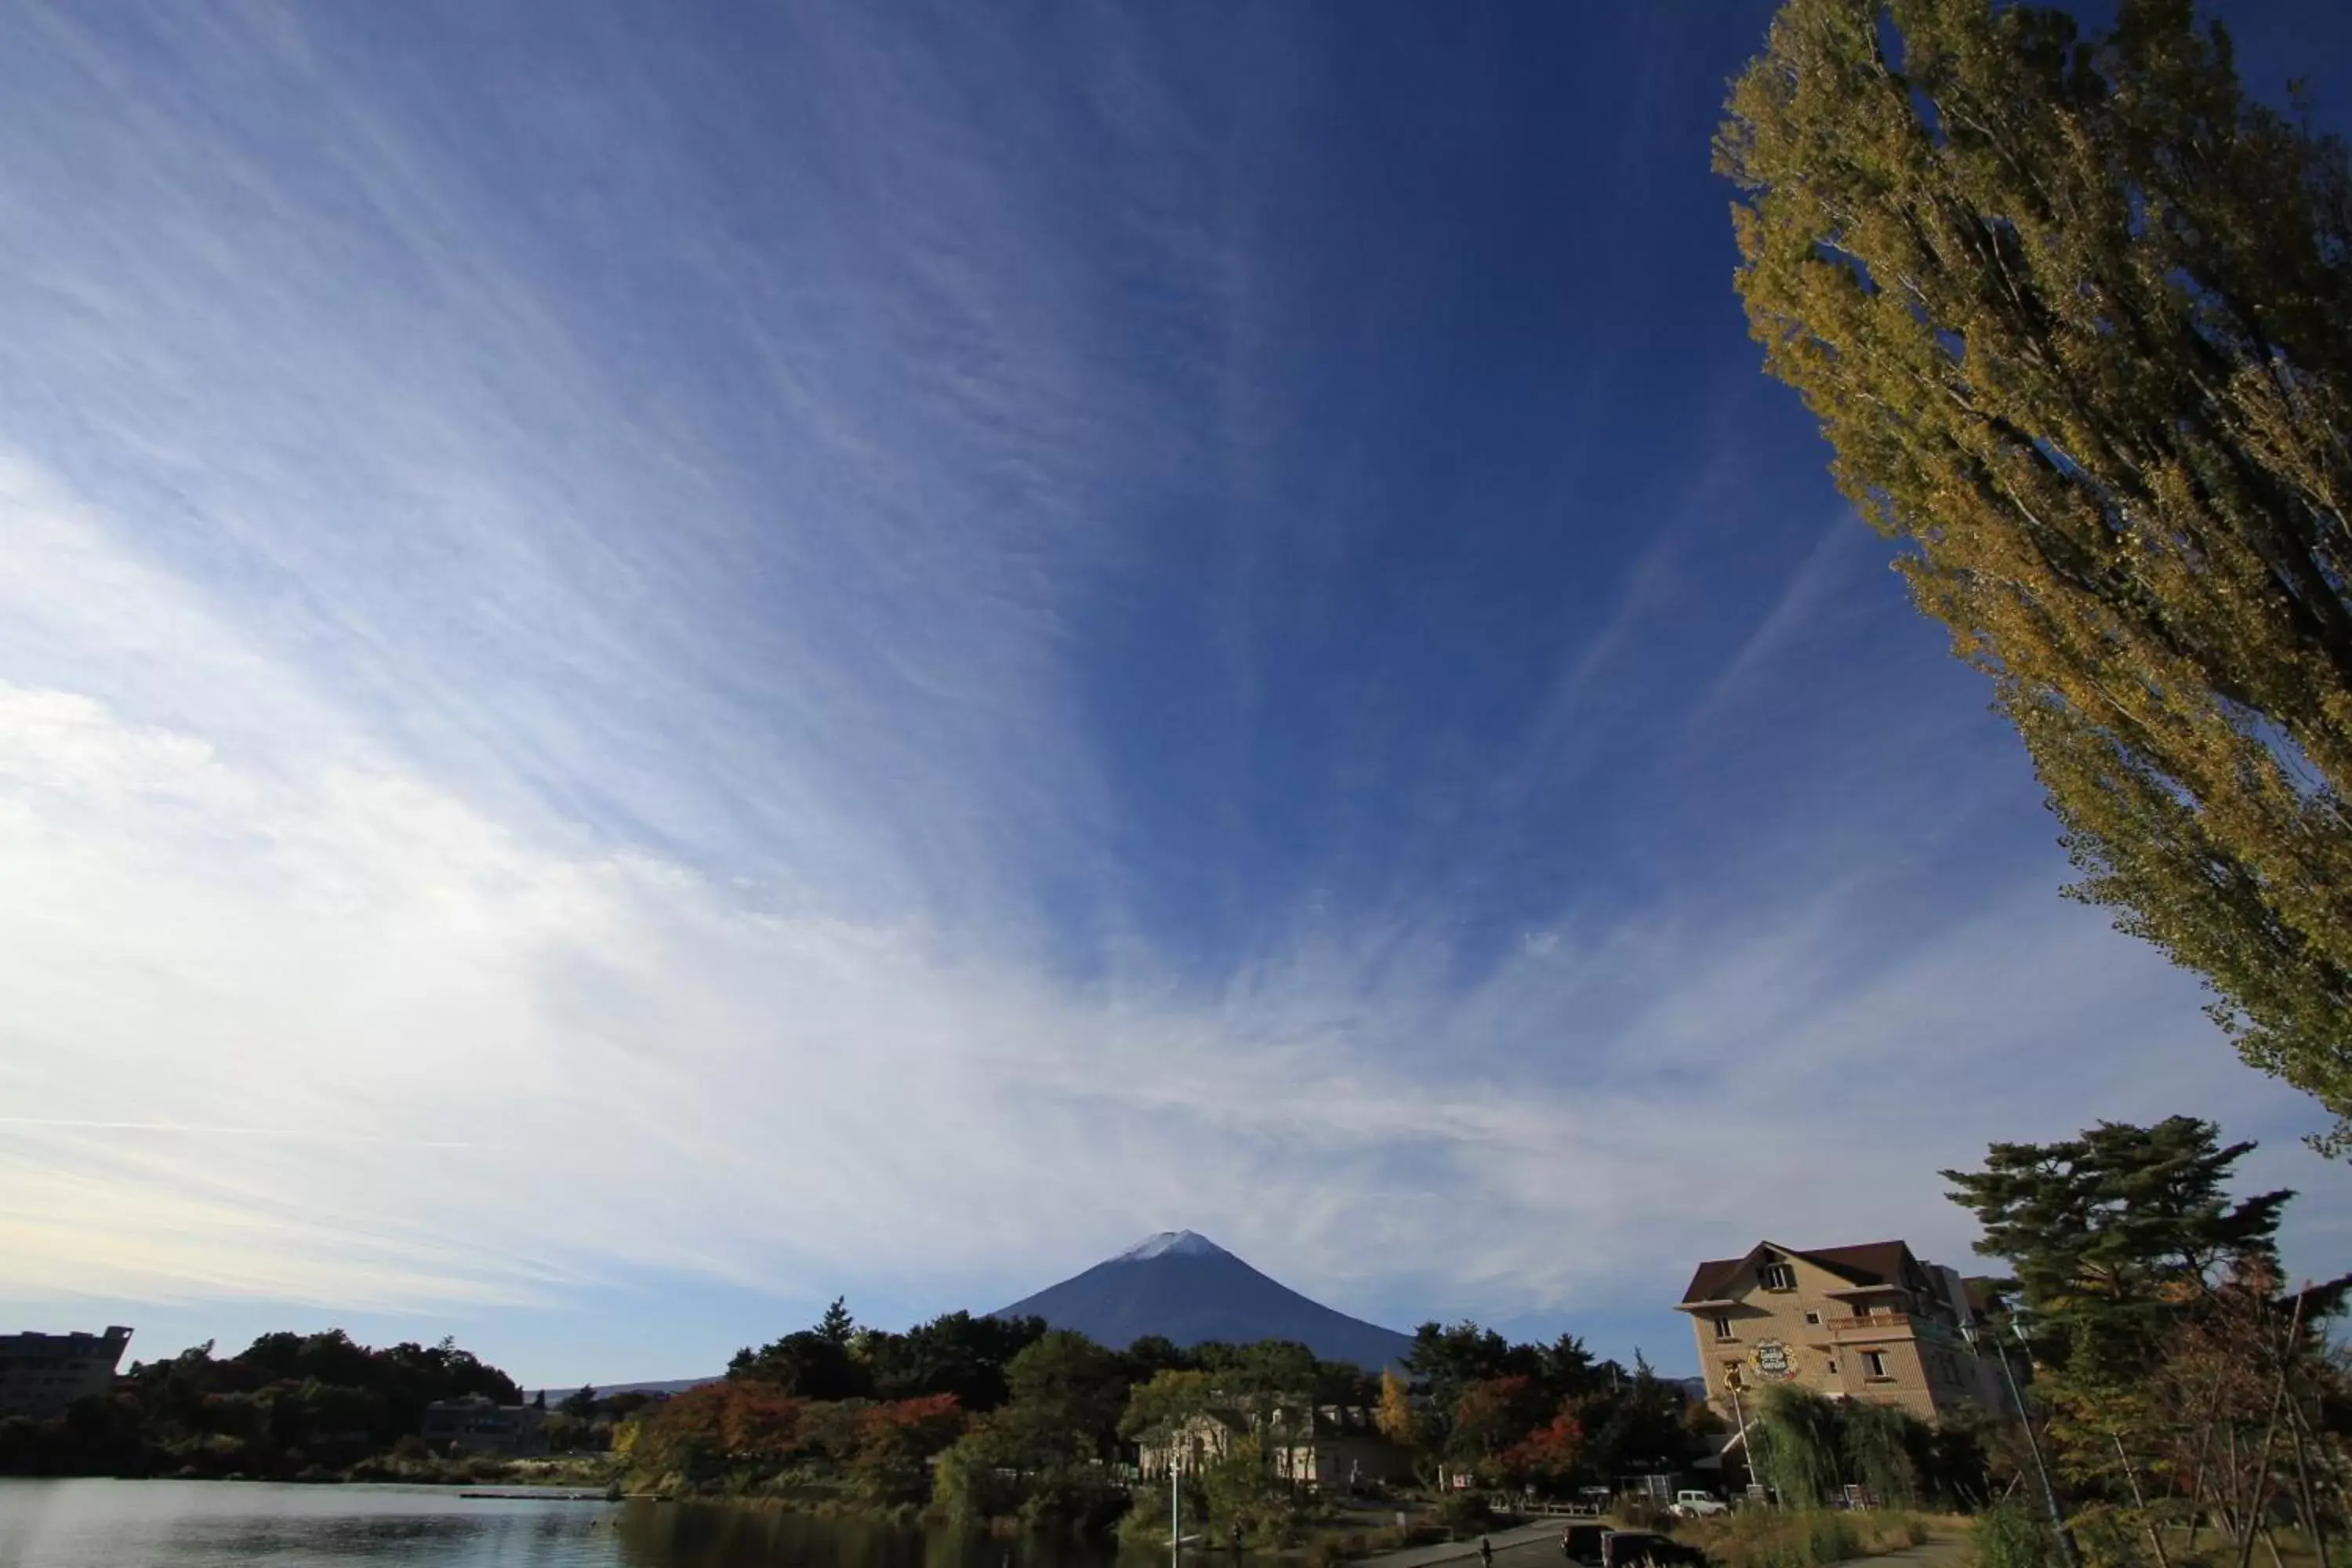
660	662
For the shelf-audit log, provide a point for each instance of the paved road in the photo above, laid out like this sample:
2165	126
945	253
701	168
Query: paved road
1537	1546
1524	1547
1936	1551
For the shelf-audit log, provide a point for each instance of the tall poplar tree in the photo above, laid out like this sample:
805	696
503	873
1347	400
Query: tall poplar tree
2076	318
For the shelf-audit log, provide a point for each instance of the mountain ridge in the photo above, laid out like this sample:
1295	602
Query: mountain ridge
1181	1286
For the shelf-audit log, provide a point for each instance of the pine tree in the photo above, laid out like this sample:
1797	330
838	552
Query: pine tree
837	1327
2076	318
2113	1232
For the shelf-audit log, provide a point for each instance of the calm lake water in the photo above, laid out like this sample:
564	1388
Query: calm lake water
214	1524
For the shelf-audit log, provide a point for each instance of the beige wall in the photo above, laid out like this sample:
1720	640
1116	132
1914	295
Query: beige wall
1202	1441
1330	1461
1922	1364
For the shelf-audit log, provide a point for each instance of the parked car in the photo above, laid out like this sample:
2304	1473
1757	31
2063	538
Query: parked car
1581	1544
1698	1504
1647	1549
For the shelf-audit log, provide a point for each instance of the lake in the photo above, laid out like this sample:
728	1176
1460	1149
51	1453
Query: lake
216	1525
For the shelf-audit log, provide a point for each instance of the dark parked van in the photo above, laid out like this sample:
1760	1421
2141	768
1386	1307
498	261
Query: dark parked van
1581	1543
1646	1549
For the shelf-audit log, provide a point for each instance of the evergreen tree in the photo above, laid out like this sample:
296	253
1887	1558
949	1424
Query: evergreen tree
2076	318
2110	1232
838	1326
1070	1391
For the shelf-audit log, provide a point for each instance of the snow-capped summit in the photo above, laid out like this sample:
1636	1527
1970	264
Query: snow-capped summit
1172	1243
1183	1287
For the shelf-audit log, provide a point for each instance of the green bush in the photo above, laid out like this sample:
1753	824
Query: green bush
1461	1513
1247	1498
1830	1538
1794	1443
1884	1449
2009	1536
967	1487
1145	1522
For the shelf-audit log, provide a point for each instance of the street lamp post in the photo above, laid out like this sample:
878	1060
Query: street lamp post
2040	1467
1740	1415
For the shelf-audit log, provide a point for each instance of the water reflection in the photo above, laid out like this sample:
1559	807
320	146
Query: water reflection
216	1524
713	1535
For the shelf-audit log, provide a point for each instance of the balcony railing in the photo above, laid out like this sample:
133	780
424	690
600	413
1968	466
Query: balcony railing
1872	1325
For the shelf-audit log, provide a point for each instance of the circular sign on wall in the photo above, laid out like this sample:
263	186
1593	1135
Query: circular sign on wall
1773	1360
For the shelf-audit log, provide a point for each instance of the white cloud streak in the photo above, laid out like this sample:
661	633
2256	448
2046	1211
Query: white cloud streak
621	1066
477	819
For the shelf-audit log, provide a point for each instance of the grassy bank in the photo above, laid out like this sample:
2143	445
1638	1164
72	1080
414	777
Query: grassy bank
2015	1537
1800	1538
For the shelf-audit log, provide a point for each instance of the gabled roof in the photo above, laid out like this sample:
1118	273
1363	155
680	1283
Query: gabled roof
1870	1263
1711	1278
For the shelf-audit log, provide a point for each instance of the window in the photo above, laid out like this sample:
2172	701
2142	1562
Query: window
1814	1319
1874	1364
1723	1329
1833	1363
1777	1277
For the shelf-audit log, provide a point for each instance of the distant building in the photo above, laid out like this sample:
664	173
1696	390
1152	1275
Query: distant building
479	1426
1853	1322
1200	1441
1335	1446
1330	1447
40	1374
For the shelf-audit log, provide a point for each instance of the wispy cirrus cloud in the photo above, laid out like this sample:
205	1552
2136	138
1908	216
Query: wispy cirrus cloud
520	1063
615	667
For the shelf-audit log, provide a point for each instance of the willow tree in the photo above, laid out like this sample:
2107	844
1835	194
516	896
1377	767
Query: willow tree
2076	318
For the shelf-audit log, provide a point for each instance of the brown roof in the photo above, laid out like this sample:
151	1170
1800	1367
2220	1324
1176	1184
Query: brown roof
1712	1277
1870	1263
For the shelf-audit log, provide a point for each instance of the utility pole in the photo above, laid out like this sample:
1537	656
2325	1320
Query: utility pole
2041	1465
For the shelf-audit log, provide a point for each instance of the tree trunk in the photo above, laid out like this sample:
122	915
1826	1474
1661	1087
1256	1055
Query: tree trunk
2197	1471
2262	1461
2343	1500
2148	1521
2231	1509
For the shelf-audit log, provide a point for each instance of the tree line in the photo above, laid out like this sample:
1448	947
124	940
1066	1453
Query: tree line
287	1405
1008	1420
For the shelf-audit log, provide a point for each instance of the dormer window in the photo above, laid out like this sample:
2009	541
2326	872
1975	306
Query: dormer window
1777	1277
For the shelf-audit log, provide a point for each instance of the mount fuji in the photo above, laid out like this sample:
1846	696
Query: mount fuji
1183	1286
